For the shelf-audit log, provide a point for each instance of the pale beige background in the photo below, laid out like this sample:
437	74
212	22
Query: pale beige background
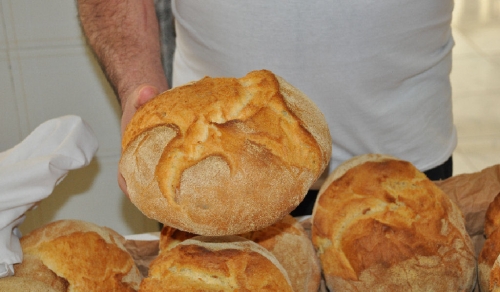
476	84
47	71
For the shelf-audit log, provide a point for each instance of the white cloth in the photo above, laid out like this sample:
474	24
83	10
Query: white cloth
379	70
30	171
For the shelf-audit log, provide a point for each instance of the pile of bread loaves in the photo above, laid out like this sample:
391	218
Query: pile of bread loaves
222	162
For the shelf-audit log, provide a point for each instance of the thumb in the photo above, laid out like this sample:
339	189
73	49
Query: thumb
133	101
136	99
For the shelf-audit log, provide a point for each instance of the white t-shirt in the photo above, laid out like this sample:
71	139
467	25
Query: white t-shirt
378	70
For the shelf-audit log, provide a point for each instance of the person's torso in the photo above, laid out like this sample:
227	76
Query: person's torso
377	69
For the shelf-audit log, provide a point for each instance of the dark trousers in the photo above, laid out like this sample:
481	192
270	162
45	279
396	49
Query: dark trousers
440	172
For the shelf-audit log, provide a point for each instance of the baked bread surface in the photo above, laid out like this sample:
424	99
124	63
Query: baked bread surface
493	277
222	263
487	259
489	277
381	225
73	255
20	284
492	216
224	156
286	240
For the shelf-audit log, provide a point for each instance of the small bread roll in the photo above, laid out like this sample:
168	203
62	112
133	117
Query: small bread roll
73	255
224	156
286	240
222	263
379	224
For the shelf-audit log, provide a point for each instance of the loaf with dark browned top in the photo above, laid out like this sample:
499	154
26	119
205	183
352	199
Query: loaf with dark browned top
379	224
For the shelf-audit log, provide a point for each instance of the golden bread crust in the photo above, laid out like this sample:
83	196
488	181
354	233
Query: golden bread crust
489	277
224	156
226	263
492	218
170	237
487	257
99	261
286	240
33	268
382	225
20	284
494	278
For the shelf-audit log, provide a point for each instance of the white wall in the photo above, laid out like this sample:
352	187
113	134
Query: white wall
46	71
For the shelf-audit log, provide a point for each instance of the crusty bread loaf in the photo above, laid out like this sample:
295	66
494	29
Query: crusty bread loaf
489	279
487	258
170	237
19	284
494	278
286	240
224	156
492	216
33	268
73	255
382	225
289	243
222	263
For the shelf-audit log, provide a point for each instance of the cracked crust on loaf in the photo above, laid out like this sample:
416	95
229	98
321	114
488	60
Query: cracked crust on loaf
221	263
286	240
224	156
382	225
74	255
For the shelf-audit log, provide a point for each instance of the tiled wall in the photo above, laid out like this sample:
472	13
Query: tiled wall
46	71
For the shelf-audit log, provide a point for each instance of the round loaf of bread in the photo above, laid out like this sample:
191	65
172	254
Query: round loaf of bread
224	156
286	240
73	255
379	224
222	263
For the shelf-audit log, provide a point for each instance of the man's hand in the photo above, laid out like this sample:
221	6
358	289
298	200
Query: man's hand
136	99
130	104
124	36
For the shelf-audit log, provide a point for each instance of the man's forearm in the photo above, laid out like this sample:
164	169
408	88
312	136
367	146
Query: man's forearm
124	36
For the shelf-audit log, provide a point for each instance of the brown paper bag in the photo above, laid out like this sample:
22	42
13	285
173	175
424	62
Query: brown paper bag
473	192
143	252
